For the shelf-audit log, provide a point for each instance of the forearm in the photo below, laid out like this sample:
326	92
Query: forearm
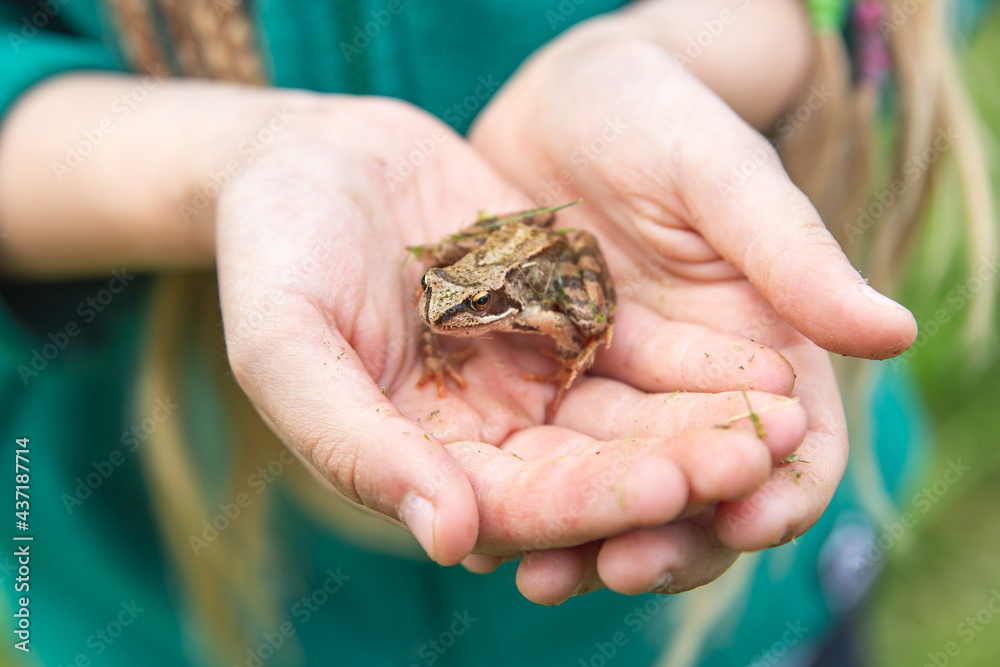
756	55
100	170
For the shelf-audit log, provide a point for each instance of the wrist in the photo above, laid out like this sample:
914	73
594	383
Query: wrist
757	56
95	170
244	125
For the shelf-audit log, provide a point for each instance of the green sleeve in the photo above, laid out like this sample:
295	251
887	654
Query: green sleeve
46	37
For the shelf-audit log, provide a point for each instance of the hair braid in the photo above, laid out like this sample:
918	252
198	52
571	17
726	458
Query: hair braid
185	48
138	35
223	586
208	38
222	34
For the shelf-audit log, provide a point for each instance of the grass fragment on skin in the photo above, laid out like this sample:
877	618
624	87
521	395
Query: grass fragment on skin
761	433
528	214
412	251
503	221
754	415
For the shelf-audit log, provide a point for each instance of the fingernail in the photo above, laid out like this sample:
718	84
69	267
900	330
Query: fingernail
663	585
418	515
580	588
877	297
786	537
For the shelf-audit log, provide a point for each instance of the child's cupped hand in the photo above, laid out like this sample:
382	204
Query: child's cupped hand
322	335
706	235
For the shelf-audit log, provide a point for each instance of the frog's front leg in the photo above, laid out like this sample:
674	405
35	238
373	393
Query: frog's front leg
437	365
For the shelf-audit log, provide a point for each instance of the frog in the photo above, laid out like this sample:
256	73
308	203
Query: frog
516	273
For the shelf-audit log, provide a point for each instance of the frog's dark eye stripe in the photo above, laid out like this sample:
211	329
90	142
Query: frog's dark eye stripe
480	301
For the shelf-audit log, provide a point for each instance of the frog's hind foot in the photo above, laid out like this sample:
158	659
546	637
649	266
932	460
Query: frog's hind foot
567	374
437	366
561	378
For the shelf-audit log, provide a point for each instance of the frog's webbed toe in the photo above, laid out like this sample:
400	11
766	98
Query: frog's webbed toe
563	379
571	368
437	365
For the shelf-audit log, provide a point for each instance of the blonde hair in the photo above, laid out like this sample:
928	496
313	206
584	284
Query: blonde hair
834	162
831	158
224	581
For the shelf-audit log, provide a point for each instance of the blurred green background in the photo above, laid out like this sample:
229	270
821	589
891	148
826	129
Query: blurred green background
947	566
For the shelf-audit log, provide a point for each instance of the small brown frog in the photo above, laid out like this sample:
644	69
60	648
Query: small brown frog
515	273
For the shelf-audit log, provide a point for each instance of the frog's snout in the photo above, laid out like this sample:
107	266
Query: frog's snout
429	283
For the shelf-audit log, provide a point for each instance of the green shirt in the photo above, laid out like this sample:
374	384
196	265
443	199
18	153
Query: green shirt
102	591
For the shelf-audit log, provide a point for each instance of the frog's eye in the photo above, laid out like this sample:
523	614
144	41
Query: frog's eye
480	301
423	282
